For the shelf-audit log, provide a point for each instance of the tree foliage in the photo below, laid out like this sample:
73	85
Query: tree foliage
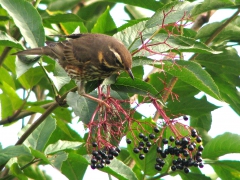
187	58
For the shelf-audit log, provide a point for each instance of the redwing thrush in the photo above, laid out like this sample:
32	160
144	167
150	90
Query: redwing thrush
87	57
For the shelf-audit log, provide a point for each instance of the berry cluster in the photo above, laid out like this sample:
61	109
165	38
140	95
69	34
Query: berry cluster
144	144
102	157
185	152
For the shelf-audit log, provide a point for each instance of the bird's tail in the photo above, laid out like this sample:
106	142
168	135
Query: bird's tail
35	51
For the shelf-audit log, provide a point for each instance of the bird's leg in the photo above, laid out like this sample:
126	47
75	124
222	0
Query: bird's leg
81	91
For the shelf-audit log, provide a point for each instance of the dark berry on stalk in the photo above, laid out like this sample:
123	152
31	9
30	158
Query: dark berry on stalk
94	144
186	170
158	167
141	156
148	144
163	155
166	151
199	153
190	147
160	161
195	164
171	138
171	150
98	157
177	142
193	133
199	139
128	141
104	156
176	152
194	144
159	150
110	156
190	162
184	162
174	162
199	159
94	153
141	143
151	136
173	168
108	161
179	160
200	148
93	161
140	147
165	141
145	150
179	166
201	165
93	166
118	149
115	153
145	138
156	130
185	118
185	153
185	141
103	161
136	150
99	166
141	135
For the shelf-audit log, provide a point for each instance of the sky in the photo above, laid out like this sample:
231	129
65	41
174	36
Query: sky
224	118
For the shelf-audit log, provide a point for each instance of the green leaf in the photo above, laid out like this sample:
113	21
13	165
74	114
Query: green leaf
62	5
223	144
60	77
105	24
40	155
6	40
119	170
31	77
191	106
170	13
74	167
137	86
27	20
17	172
227	169
226	62
82	107
191	176
58	159
70	27
59	18
193	74
40	136
61	145
203	121
148	4
13	151
208	5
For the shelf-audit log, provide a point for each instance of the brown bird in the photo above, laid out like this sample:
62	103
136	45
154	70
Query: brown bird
87	57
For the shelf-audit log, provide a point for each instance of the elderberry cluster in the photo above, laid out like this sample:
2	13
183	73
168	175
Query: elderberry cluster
102	157
144	144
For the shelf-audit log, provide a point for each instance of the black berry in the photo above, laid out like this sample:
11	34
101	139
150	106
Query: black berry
173	168
151	136
200	148
199	139
158	167
141	156
156	130
165	141
159	149
186	170
128	141
136	150
185	118
148	144
145	150
141	135
94	144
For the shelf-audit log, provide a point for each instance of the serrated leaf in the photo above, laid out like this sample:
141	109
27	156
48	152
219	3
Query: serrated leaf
82	107
60	77
227	169
13	151
58	159
6	40
223	144
208	5
193	74
105	23
137	86
191	106
74	167
59	18
61	145
27	20
40	155
170	13
39	137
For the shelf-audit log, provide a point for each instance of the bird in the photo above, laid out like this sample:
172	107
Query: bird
87	57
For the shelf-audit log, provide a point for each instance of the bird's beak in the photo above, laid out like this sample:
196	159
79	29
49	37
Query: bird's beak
129	71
